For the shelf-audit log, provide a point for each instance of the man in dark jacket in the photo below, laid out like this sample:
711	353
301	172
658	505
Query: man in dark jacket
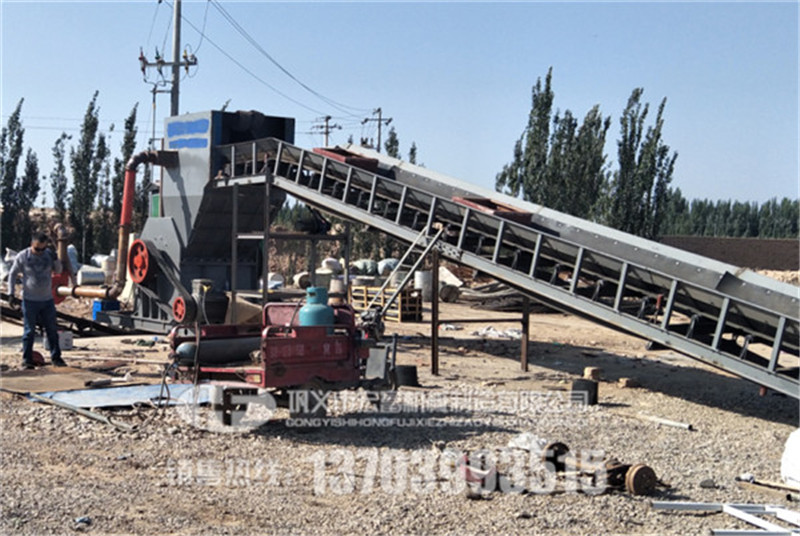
37	264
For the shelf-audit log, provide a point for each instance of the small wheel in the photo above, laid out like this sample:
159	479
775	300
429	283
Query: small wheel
554	456
640	480
139	261
184	310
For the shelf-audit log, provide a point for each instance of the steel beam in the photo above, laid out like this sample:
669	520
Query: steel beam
641	273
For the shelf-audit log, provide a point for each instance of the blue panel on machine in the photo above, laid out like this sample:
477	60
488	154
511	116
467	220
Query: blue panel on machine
187	128
189	134
189	143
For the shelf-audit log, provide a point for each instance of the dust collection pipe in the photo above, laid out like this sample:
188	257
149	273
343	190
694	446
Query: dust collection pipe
159	158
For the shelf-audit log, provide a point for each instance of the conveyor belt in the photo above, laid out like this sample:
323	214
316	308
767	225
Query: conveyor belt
727	317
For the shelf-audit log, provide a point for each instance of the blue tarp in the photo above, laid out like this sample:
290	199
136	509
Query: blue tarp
128	395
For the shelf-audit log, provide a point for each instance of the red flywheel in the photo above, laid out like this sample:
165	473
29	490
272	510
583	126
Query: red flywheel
139	264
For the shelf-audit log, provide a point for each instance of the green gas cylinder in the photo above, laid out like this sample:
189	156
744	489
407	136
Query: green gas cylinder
316	311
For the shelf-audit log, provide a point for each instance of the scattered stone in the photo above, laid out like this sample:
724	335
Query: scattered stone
492	383
82	523
627	383
708	483
474	494
592	373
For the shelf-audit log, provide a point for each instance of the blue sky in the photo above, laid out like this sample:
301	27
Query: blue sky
454	76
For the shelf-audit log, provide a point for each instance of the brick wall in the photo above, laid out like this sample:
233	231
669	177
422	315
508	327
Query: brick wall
763	253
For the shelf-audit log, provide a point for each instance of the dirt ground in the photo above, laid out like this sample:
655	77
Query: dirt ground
62	472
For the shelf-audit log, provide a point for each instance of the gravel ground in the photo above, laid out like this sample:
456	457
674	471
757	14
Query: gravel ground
171	477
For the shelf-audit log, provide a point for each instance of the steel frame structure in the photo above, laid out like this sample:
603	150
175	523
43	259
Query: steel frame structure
681	302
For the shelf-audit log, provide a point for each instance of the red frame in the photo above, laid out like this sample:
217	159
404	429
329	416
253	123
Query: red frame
291	355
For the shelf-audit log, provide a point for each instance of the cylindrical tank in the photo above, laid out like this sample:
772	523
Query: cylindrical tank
316	311
90	276
216	351
338	292
109	267
423	281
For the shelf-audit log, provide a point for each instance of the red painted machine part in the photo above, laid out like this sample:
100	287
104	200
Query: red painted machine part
59	280
138	261
179	309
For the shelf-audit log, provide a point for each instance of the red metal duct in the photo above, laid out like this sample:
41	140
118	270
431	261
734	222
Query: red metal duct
159	158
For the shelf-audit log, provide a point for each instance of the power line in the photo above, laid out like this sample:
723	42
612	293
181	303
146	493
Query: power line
339	106
248	71
152	24
203	32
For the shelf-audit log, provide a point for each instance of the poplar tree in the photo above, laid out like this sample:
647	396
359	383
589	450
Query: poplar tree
11	138
84	167
640	187
58	177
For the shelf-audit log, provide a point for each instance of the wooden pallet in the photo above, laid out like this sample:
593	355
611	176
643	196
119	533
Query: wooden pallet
406	308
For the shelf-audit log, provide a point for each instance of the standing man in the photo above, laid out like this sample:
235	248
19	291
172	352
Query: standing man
37	264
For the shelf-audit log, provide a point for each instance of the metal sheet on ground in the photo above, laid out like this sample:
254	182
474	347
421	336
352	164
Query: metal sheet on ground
129	395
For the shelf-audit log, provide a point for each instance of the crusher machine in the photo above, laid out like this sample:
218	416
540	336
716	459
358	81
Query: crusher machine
723	315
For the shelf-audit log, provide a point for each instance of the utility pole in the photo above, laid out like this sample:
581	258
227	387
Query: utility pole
176	63
381	121
326	128
176	59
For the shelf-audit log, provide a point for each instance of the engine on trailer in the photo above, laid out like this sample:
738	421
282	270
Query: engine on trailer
291	350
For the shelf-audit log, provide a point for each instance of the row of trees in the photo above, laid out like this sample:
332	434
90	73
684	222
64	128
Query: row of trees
559	162
703	217
89	203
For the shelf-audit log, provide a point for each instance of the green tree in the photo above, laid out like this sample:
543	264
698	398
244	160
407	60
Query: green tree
677	217
640	187
412	153
58	177
558	162
11	139
766	219
554	189
103	218
527	173
392	144
85	168
128	147
27	190
141	202
588	175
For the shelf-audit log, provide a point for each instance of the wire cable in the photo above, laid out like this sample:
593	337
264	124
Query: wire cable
166	35
339	106
203	31
248	71
152	25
